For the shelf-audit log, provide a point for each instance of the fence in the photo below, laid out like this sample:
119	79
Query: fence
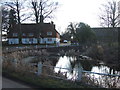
35	47
108	80
79	73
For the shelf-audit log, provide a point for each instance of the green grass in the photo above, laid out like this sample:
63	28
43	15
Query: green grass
44	82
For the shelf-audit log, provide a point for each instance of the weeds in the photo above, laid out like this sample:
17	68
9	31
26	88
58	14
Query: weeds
101	81
12	62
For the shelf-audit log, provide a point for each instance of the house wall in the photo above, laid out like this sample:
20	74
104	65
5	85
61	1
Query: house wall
29	40
58	40
31	32
41	40
57	35
13	41
34	40
53	40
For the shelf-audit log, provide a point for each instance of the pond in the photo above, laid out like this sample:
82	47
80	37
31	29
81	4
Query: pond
88	65
69	66
75	63
72	61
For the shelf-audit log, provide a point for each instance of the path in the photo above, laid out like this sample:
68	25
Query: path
7	83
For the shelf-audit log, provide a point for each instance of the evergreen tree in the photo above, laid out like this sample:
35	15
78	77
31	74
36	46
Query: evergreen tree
12	19
82	33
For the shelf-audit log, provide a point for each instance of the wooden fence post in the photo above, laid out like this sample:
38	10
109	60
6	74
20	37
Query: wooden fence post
80	69
15	63
39	68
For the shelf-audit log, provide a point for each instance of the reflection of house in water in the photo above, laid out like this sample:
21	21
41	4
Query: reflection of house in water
106	34
42	33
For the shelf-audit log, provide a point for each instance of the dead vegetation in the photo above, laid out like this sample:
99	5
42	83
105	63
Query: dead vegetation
101	81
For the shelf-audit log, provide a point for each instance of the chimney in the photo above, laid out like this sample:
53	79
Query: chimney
52	23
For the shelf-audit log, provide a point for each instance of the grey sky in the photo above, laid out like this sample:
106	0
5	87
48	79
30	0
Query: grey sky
86	11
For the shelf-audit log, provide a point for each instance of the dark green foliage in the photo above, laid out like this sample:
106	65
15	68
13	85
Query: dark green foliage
66	36
82	33
85	34
12	19
8	20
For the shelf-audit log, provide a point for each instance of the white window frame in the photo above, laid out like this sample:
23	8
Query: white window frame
49	39
23	34
31	40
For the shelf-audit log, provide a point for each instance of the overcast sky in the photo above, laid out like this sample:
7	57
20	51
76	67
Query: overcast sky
86	11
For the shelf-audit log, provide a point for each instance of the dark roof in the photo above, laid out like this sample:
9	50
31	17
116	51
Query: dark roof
105	28
102	29
33	28
104	32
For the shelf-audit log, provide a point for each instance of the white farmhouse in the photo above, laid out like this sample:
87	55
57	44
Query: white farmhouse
42	33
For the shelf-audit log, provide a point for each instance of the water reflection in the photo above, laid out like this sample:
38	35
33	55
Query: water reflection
72	69
73	64
104	69
63	62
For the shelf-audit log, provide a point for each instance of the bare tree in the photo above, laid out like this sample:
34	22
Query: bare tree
110	15
43	9
18	6
8	20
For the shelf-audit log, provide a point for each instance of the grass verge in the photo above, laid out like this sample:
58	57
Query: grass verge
42	81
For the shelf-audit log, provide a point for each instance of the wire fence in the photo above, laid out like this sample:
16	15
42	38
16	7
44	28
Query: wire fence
79	72
104	80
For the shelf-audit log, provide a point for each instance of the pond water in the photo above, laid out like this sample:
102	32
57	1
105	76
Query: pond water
70	65
88	65
74	64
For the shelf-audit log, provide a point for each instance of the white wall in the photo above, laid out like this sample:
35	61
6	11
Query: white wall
25	40
34	40
58	40
52	41
41	40
29	41
13	41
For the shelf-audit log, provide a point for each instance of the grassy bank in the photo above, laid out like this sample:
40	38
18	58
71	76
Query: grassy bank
43	81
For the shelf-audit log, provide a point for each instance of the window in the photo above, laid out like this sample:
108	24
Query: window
49	33
15	34
23	34
49	39
31	39
30	34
